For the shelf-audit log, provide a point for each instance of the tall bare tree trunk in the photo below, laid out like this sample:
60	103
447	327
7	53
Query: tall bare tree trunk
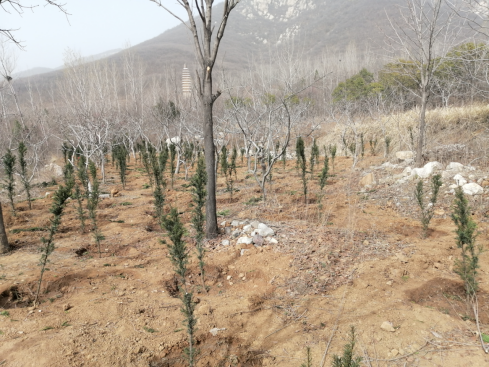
422	128
4	246
209	151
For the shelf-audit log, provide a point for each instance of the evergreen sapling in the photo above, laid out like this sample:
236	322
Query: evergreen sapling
8	161
23	172
467	266
427	210
59	202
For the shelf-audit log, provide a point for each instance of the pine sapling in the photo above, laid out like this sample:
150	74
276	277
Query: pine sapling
234	157
163	158
314	156
173	155
59	202
92	203
301	158
324	173
8	161
120	154
373	146
387	141
199	194
158	192
308	362
348	358
179	258
146	162
427	210
23	172
467	266
332	152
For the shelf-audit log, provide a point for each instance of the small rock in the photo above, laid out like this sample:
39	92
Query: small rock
257	240
245	240
255	224
104	196
387	326
229	277
365	243
247	228
235	223
273	241
47	195
459	179
455	166
244	252
67	307
389	282
241	275
114	192
225	242
394	352
223	224
472	189
403	155
437	265
215	331
367	180
402	258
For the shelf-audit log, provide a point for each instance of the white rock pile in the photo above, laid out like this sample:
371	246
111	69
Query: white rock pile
248	233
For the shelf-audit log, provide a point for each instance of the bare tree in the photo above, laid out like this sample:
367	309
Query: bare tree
206	49
19	6
425	31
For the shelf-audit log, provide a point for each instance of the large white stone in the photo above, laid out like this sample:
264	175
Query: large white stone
427	170
403	155
265	232
244	240
472	189
459	179
455	166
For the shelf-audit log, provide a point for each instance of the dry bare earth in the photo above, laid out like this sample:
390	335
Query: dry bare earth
344	261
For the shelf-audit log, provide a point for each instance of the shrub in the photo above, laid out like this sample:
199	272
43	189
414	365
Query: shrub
179	259
332	152
314	156
59	203
8	161
348	359
301	159
92	203
467	266
23	172
199	194
427	211
324	173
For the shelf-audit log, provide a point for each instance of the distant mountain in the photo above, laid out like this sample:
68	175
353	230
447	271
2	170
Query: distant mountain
31	72
255	25
315	26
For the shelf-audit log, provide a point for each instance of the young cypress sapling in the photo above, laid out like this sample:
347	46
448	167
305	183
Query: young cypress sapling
467	266
348	359
199	194
324	173
23	172
173	155
332	152
163	158
179	259
314	156
301	158
93	200
427	211
8	161
57	207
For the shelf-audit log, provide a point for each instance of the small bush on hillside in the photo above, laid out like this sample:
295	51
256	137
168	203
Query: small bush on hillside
348	359
427	210
8	161
467	266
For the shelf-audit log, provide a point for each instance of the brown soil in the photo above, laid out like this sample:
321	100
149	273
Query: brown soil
342	259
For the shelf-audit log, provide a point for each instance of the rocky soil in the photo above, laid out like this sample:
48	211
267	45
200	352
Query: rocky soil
283	276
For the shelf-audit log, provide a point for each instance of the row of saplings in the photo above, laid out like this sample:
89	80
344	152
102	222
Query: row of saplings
82	185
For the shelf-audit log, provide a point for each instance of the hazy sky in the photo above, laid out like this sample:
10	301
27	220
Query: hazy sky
94	26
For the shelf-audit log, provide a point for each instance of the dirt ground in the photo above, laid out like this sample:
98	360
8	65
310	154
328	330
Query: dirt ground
343	259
